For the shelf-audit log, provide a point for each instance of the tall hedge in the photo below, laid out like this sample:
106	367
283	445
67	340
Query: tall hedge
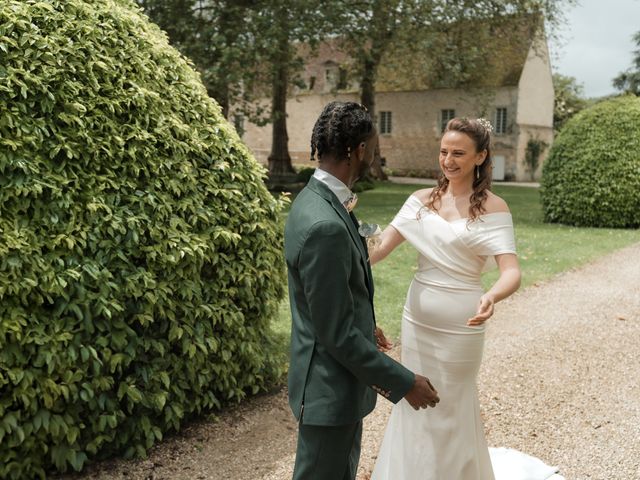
140	253
592	175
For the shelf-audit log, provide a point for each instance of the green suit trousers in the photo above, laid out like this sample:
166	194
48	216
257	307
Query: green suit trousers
327	453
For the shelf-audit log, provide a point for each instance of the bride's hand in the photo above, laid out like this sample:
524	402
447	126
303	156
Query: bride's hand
483	313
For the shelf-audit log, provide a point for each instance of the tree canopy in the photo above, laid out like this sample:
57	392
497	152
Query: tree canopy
253	44
629	80
568	99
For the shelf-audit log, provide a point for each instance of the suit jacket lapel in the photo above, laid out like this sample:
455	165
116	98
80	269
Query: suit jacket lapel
324	191
365	249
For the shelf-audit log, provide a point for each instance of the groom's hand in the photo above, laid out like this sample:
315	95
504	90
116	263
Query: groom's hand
422	395
383	343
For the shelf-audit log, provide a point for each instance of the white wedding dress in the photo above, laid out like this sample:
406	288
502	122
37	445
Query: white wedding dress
448	442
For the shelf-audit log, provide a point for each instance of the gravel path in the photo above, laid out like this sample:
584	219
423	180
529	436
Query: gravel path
560	380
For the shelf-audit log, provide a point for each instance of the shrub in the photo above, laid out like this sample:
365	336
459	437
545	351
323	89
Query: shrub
363	185
304	174
532	153
592	175
140	260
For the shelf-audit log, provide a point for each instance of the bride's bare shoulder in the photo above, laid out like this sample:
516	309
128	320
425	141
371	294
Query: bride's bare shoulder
495	204
423	194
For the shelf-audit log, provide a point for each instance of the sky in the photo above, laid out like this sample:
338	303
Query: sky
596	43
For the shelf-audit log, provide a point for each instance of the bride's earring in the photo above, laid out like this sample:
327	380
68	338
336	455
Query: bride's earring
477	172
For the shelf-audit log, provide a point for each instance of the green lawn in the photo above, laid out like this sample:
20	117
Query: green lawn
544	250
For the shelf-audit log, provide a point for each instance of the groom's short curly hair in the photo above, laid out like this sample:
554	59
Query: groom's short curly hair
340	128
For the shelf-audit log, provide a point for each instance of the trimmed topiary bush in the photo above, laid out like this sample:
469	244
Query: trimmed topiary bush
592	175
140	252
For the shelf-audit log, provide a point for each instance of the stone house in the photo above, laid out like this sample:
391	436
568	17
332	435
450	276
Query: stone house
516	96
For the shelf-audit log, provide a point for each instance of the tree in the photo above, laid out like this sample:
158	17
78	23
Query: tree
245	50
242	46
456	35
568	99
373	25
282	26
278	29
219	37
629	81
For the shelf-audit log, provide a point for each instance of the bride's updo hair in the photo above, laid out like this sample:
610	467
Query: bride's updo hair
340	128
479	130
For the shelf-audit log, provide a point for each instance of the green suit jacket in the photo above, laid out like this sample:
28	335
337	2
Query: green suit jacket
335	366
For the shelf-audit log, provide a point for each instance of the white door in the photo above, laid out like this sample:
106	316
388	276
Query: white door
498	167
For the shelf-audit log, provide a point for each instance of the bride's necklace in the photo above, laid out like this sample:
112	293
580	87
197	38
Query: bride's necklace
457	198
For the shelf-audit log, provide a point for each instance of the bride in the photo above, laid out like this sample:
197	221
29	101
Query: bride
459	228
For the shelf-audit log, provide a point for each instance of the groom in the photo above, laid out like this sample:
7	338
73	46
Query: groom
336	366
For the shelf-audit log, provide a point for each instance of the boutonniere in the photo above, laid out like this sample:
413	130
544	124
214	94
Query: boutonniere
371	233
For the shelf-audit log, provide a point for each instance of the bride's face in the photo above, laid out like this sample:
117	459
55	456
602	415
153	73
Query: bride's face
458	156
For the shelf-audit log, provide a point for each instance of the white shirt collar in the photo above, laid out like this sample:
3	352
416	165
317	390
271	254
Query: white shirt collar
338	188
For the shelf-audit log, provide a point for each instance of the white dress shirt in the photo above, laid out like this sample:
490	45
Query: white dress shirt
338	188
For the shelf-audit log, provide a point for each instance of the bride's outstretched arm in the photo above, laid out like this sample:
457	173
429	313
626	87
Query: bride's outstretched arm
389	239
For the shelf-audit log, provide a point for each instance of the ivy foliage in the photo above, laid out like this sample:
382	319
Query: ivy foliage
140	252
592	175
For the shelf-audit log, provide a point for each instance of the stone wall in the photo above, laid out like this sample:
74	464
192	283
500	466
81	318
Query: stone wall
413	144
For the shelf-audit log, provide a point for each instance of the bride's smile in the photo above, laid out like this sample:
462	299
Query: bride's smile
458	156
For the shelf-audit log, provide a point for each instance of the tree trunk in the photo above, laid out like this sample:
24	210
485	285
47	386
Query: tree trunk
220	93
220	89
368	99
279	159
368	92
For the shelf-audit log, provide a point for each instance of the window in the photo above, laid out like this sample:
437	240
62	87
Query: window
385	123
238	122
445	116
330	78
342	81
312	82
501	120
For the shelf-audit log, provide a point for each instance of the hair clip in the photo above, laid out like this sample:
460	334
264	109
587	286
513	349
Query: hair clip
486	124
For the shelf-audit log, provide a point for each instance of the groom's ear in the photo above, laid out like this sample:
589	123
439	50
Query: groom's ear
362	148
369	147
